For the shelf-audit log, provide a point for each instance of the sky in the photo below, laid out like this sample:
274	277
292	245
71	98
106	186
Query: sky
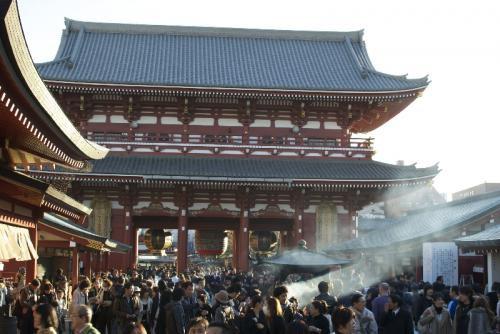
455	123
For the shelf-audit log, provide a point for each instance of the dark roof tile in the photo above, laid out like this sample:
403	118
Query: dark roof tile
259	168
425	223
218	58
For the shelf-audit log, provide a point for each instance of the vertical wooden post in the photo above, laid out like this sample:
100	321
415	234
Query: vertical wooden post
106	261
75	261
127	222
298	205
243	241
31	266
283	240
182	232
234	262
87	263
135	247
182	202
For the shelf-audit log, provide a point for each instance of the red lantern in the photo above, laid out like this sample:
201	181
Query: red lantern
263	242
210	243
157	239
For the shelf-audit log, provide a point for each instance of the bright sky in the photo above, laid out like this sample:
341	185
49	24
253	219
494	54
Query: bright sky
455	123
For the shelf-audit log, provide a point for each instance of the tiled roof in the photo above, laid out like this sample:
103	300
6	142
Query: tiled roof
218	58
188	167
370	224
425	223
43	129
488	237
74	229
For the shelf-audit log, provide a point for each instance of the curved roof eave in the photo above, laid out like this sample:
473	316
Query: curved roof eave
108	85
37	93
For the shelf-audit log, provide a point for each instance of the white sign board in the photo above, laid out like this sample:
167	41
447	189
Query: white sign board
440	259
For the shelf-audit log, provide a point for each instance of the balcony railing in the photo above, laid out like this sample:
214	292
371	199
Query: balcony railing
207	141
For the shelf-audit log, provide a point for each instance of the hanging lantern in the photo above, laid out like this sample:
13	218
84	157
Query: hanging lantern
210	243
157	239
263	242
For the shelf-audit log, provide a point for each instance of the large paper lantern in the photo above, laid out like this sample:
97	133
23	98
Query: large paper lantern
157	239
210	243
263	242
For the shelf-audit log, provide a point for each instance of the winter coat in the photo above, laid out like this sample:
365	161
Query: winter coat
321	322
400	323
479	321
461	320
276	325
122	307
224	314
432	323
174	318
364	322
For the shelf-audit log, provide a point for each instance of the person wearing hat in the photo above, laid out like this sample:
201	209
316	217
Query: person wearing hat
224	313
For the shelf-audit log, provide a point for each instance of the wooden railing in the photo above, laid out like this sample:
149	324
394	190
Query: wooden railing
349	147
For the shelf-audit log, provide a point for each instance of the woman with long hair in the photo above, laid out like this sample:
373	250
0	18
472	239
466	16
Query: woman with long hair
343	320
319	323
45	319
274	317
481	316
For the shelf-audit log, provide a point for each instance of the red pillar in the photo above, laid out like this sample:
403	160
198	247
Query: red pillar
98	265
243	242
135	247
297	229
182	230
235	249
106	261
74	266
283	240
31	265
87	263
127	220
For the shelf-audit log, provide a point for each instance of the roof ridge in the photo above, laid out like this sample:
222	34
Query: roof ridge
104	27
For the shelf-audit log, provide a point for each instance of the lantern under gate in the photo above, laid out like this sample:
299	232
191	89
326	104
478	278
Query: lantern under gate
264	243
157	239
210	243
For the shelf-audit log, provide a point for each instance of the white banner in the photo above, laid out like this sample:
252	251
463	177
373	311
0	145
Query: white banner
440	259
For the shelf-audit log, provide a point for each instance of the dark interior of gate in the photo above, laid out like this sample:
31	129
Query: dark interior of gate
213	239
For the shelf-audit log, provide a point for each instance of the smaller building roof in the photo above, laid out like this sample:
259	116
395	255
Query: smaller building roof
369	224
487	238
30	117
70	228
40	194
425	224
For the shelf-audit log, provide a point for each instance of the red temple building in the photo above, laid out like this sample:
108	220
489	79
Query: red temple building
217	129
35	132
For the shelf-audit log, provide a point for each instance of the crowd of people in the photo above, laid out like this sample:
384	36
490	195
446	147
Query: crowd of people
220	300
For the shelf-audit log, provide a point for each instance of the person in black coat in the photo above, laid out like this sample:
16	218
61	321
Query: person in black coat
319	323
254	321
396	320
275	322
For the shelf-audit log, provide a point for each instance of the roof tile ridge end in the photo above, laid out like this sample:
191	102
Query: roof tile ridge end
401	77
